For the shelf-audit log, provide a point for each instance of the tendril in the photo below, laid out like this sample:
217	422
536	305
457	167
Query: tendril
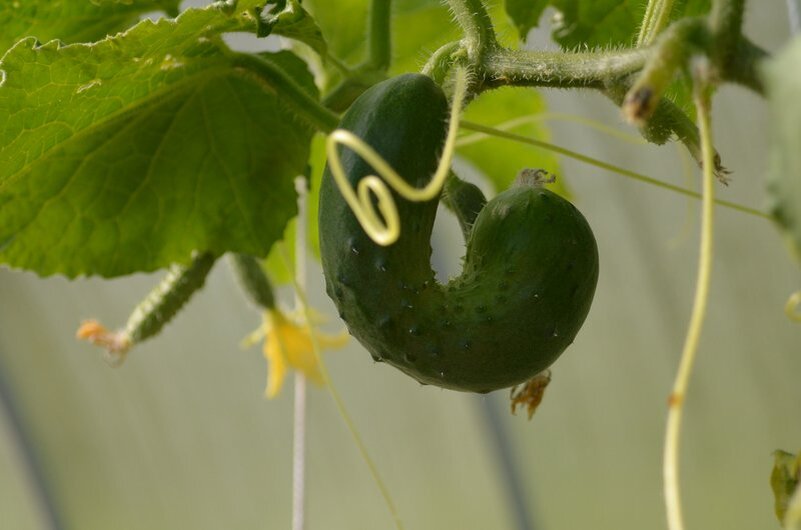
384	229
793	307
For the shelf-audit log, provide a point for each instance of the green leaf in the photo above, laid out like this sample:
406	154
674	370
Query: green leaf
344	26
288	18
500	160
525	14
784	480
433	26
72	20
595	23
783	79
129	154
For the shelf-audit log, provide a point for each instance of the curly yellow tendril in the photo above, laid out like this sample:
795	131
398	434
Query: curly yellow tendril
385	232
793	307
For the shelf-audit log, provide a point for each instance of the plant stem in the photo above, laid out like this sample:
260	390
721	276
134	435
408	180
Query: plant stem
645	34
379	52
479	35
677	396
560	69
275	79
655	21
607	166
299	431
666	57
440	62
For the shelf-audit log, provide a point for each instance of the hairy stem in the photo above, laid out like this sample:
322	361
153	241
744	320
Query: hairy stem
657	16
670	53
677	396
648	16
441	61
479	35
275	79
559	69
379	51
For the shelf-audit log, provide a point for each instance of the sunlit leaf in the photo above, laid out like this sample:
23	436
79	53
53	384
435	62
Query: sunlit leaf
289	19
593	23
72	20
129	154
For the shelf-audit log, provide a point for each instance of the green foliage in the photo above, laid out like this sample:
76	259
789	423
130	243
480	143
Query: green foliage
784	480
343	25
72	20
784	186
129	154
593	23
289	19
525	14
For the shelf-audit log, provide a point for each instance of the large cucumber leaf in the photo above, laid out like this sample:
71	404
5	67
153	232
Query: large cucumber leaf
72	20
593	22
288	18
128	154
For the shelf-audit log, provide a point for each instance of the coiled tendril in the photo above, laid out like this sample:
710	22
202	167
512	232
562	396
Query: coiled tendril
385	232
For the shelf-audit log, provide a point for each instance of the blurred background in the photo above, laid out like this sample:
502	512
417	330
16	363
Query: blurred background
181	437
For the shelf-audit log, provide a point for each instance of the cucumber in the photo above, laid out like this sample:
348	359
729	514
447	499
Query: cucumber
529	273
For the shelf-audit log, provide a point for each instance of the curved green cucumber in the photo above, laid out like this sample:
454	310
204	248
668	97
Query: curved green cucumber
529	274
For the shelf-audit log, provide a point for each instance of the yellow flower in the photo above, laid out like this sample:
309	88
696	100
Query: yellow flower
288	344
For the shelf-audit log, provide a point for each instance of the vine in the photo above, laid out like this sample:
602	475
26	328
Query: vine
702	94
657	16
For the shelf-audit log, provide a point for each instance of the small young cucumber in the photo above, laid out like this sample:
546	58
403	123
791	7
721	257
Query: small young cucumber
529	274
